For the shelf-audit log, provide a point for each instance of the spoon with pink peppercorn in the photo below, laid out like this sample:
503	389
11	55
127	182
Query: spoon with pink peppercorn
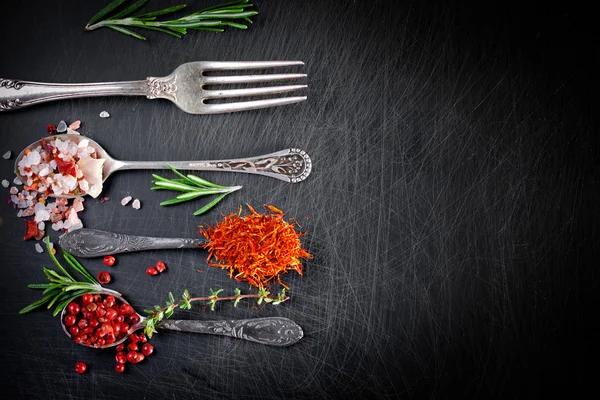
105	319
72	165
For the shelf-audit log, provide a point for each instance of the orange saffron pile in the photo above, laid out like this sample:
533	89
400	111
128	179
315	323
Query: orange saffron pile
255	248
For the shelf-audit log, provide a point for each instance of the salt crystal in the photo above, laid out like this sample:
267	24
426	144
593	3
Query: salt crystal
5	183
14	190
34	158
20	213
83	143
39	207
39	248
136	204
72	132
126	200
57	226
7	155
75	125
44	171
62	127
17	181
41	225
84	185
14	199
42	216
77	205
104	114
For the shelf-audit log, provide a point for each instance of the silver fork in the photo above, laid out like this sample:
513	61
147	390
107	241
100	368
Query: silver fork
185	87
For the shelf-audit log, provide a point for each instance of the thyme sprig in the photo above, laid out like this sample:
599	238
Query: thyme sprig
159	313
192	187
234	14
63	289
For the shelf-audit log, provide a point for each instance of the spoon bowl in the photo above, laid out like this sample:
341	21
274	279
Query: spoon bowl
290	165
271	331
132	329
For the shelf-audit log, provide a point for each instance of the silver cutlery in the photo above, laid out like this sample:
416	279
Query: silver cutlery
271	331
291	165
188	87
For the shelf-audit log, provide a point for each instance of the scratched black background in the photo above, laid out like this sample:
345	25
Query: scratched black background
451	210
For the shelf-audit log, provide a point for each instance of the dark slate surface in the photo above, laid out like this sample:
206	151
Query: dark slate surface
451	211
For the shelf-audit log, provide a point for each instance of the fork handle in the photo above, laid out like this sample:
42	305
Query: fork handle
291	165
16	94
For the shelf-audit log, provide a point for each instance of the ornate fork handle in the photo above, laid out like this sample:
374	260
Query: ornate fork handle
272	331
88	243
291	165
17	94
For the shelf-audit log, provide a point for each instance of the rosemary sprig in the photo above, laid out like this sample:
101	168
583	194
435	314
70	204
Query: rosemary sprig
192	187
63	289
234	14
159	313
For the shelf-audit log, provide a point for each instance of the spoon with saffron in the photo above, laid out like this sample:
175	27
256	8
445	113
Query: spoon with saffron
108	320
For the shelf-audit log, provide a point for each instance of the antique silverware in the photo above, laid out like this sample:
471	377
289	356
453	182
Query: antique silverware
271	331
88	243
186	87
291	165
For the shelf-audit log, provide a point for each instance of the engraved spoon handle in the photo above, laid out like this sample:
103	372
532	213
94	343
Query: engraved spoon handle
17	94
272	331
290	165
88	243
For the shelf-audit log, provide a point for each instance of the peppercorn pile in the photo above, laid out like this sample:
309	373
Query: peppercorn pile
255	248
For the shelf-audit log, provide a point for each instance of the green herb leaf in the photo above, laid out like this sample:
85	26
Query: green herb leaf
109	8
164	11
38	286
126	31
35	305
130	10
210	205
203	182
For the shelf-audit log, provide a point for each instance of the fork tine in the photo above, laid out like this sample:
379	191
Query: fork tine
223	80
249	105
233	65
259	91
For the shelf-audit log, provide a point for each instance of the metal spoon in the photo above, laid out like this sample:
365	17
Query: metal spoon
290	165
88	243
272	331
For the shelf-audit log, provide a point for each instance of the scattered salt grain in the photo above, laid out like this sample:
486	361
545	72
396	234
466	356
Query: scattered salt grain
62	127
41	225
14	190
136	204
104	114
42	215
72	132
75	125
5	183
7	155
126	200
39	248
17	181
57	226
